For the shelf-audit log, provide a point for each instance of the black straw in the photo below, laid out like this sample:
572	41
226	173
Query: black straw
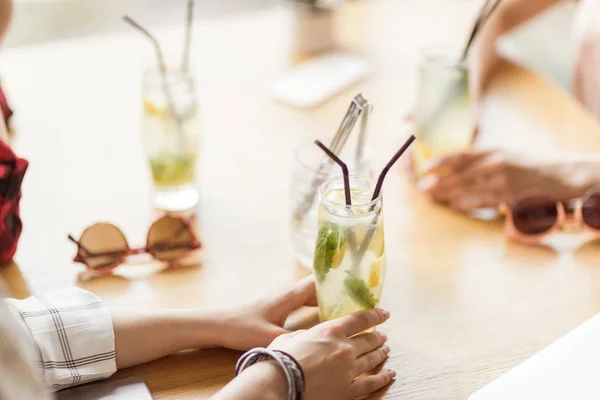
389	165
344	168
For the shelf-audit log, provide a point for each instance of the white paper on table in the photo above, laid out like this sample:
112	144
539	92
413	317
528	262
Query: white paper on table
568	369
132	388
319	79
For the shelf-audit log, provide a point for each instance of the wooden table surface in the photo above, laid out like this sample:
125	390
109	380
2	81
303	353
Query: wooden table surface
466	306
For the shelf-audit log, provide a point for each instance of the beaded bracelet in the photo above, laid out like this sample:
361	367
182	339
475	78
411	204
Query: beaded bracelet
291	368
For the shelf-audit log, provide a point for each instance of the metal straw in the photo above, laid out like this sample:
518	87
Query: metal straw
159	54
337	144
360	146
162	66
474	29
480	18
188	36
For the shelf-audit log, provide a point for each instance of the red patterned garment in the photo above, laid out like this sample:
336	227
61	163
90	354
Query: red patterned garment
6	111
12	170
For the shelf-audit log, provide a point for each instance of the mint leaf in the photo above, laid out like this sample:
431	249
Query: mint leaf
359	292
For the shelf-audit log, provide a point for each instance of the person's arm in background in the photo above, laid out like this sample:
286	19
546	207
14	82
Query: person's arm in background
586	42
6	11
484	59
473	179
477	179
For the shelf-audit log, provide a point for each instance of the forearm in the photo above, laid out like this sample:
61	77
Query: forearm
508	15
262	381
145	336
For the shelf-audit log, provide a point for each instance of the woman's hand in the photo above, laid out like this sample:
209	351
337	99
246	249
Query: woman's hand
331	355
257	324
334	353
480	179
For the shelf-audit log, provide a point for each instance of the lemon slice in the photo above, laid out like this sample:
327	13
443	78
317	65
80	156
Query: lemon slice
338	256
153	109
422	154
377	245
375	272
423	150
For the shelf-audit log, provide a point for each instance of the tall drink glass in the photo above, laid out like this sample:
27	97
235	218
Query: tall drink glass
349	261
171	134
443	115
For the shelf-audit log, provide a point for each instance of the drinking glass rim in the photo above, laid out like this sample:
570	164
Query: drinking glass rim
153	76
370	203
448	51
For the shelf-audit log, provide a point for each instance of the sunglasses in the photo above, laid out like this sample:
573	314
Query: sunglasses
532	217
102	246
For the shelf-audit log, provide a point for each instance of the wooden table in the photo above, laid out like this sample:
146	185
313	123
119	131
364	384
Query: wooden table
466	306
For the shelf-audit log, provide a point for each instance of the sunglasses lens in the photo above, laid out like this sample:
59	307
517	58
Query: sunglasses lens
534	215
107	245
590	211
170	238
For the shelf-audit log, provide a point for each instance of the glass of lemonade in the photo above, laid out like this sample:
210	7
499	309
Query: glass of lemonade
171	134
349	261
443	115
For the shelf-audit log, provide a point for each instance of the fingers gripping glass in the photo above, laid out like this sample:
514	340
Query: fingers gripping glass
103	246
532	217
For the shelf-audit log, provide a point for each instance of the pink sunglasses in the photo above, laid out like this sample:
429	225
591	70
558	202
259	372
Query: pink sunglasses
532	217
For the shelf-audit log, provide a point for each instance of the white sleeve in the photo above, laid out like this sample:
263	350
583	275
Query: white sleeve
74	334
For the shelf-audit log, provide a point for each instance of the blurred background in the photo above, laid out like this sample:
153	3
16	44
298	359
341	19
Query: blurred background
40	20
37	21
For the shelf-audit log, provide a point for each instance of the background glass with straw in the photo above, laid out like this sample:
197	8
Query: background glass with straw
349	261
443	115
171	126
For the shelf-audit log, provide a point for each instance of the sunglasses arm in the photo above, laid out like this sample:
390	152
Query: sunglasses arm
88	252
503	209
72	239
